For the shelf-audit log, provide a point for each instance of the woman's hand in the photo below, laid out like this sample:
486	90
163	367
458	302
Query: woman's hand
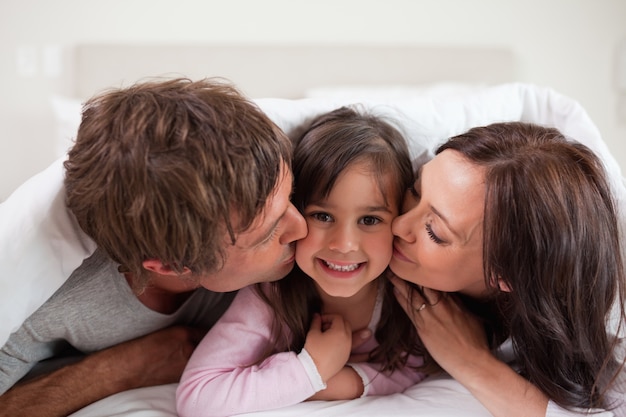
456	340
453	336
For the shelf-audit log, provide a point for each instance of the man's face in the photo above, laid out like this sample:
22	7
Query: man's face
265	252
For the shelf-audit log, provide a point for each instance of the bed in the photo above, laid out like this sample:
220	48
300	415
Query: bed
430	101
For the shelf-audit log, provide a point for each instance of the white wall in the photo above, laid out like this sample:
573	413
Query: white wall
569	45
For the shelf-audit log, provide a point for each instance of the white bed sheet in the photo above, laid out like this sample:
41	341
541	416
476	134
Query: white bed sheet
434	397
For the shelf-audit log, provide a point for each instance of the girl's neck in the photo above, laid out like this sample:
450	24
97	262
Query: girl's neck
357	309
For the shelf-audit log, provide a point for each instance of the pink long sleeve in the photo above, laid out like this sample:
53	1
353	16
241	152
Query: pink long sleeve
377	383
221	378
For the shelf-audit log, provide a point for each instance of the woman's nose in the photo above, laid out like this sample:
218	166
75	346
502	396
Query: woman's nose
403	226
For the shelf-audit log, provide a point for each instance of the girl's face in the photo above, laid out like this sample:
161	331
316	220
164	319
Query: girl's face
349	243
439	237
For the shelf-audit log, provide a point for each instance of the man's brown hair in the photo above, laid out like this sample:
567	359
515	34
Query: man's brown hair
159	168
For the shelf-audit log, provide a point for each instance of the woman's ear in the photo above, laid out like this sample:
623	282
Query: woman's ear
503	286
158	267
500	284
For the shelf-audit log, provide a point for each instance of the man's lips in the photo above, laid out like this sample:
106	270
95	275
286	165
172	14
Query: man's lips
291	258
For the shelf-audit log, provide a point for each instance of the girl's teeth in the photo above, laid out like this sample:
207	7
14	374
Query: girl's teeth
342	268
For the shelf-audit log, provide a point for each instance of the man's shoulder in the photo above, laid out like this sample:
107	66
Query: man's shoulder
94	277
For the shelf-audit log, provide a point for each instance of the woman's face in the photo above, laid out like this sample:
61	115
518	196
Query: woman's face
439	237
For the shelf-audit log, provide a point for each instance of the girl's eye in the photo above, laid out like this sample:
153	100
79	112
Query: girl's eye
432	235
370	221
322	217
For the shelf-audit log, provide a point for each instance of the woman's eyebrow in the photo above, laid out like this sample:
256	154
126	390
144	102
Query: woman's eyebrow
447	223
437	212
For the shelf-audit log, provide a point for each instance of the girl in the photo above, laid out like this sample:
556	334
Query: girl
291	340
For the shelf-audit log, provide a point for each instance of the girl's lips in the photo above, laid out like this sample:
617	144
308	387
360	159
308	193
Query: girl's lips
341	269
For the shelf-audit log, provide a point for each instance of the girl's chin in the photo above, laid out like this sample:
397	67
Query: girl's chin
340	294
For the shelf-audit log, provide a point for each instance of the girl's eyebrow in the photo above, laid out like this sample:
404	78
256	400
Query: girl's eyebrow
325	206
378	208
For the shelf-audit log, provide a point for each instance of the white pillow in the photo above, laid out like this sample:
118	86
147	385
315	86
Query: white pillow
392	92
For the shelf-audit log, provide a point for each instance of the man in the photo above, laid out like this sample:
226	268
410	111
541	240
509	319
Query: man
184	186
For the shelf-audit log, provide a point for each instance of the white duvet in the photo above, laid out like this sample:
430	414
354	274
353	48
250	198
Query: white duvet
40	243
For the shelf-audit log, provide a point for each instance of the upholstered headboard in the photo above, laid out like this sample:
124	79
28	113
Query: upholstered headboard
289	71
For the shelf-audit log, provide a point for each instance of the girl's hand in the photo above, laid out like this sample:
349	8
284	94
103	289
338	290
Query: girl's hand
344	385
329	342
454	337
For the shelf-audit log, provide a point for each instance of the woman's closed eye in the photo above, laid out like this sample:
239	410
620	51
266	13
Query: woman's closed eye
432	235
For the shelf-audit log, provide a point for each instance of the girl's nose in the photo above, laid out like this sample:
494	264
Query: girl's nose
344	239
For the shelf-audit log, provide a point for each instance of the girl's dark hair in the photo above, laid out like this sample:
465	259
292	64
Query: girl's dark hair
332	143
551	234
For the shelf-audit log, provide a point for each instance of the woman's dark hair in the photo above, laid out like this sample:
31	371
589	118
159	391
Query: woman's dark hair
551	234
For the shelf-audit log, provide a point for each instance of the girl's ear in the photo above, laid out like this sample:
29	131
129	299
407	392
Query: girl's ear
158	267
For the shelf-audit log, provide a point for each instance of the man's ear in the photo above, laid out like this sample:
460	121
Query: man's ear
158	267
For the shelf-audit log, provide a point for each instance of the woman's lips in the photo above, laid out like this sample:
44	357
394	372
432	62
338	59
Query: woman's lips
397	253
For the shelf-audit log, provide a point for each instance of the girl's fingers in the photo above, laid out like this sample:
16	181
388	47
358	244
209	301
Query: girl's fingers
316	323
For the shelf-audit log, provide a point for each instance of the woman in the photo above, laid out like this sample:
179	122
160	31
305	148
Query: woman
511	233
